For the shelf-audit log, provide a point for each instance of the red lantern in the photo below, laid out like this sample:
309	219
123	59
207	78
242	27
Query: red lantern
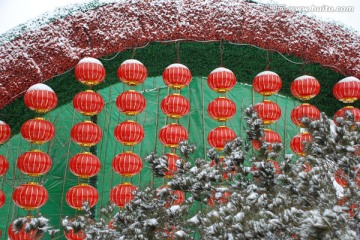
171	135
177	76
5	132
305	87
129	133
341	178
79	194
221	80
176	197
4	165
38	131
88	103
132	72
84	165
2	198
297	143
219	198
347	90
342	201
268	111
122	194
304	110
172	168
342	113
34	163
40	98
131	102
175	106
72	235
267	83
90	71
30	196
307	167
86	134
226	174
23	234
271	137
127	164
275	165
219	136
221	109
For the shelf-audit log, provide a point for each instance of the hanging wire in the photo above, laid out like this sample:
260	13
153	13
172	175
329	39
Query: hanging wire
177	51
133	52
221	53
268	61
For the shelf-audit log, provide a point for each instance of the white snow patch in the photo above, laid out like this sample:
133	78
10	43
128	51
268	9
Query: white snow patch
301	78
350	79
179	65
266	73
131	61
221	69
2	123
194	220
40	86
90	60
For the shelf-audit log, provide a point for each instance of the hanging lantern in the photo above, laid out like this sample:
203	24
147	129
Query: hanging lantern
175	106
177	76
127	164
84	165
297	143
5	132
219	198
23	234
171	135
227	173
129	133
305	87
271	137
347	90
30	196
77	195
88	103
4	165
122	194
219	136
275	165
40	98
172	168
341	178
131	102
267	83
34	163
342	113
132	72
221	80
221	109
268	111
90	71
176	197
72	235
307	167
86	134
2	198
304	110
38	131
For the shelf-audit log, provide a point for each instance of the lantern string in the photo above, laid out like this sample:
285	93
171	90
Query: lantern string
221	53
177	51
268	61
134	52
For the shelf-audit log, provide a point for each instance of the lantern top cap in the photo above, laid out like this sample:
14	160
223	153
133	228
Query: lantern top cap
90	60
221	69
177	65
350	79
40	86
266	73
3	123
301	78
132	61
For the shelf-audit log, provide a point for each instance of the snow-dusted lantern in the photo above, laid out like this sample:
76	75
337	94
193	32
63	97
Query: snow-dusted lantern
347	90
177	76
5	132
221	80
267	83
305	87
40	98
90	71
132	72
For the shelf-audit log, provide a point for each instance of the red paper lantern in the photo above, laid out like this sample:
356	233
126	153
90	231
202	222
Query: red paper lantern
129	133
171	135
268	111
72	235
305	87
226	174
221	80
307	167
297	143
353	208
177	76
86	134
219	198
5	132
342	113
127	164
38	131
122	194
40	98
34	163
219	136
30	196
275	165
267	83
304	110
23	234
4	165
172	168
341	178
79	194
347	90
88	103
131	102
2	198
132	72
176	197
85	165
221	109
175	106
90	71
271	137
